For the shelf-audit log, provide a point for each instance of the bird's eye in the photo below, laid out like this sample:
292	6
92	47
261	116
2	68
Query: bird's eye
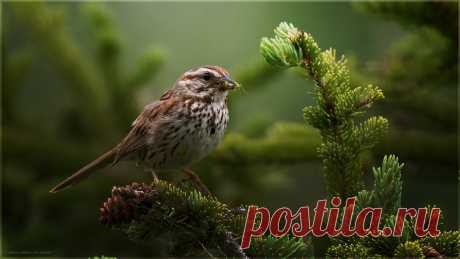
207	76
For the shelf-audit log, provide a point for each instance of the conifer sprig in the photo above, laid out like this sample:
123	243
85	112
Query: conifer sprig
338	104
192	223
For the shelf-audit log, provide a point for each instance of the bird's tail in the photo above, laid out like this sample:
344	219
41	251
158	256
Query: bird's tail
86	171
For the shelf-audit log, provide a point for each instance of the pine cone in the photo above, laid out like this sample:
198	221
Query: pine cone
127	203
429	251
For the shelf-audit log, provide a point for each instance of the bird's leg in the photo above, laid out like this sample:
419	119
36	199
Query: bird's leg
197	182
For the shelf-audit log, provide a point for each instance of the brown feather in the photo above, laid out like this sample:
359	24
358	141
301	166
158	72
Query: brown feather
86	171
132	143
145	122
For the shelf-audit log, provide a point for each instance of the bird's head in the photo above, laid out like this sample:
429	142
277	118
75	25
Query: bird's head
210	81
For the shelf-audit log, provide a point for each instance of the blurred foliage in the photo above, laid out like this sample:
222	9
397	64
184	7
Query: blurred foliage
419	75
97	83
442	16
283	143
255	75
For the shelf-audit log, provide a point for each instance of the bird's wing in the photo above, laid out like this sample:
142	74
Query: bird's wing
151	119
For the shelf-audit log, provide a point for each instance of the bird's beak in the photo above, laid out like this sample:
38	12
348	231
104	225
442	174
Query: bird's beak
230	84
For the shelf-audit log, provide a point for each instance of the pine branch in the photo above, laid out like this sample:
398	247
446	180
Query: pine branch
352	250
387	187
388	184
192	223
338	104
409	249
189	219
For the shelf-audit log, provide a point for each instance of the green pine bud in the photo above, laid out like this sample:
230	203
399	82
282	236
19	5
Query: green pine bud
280	52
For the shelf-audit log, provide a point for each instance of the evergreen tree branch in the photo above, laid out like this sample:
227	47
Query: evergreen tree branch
352	250
338	103
387	187
189	219
191	222
409	249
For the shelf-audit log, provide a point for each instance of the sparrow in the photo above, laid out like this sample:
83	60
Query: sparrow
174	132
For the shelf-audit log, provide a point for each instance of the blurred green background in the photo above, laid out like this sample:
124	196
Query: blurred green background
74	75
